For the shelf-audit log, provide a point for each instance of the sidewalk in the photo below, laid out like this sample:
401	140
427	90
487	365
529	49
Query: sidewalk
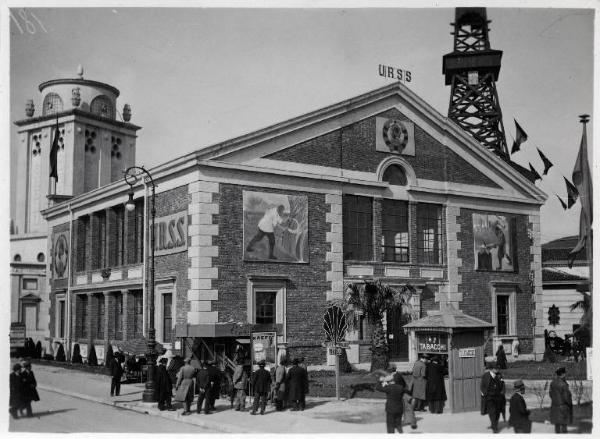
322	415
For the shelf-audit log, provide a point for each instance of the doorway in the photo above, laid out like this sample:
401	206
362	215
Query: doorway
397	339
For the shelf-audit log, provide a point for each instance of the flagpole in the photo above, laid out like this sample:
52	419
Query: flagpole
584	119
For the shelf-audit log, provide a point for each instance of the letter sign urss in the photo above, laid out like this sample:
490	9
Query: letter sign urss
170	234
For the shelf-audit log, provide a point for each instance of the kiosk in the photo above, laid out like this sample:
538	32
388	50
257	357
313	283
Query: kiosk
459	340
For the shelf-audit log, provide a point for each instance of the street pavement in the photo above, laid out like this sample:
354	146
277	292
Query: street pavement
322	415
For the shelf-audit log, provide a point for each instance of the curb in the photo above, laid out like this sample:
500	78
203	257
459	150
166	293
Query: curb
217	427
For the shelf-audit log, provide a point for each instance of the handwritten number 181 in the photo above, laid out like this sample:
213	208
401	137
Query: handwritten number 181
26	23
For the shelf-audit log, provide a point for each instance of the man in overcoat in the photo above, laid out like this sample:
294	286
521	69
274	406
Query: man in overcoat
561	409
16	391
419	383
163	386
261	383
116	371
297	384
203	385
519	414
394	404
280	391
185	386
214	376
436	387
240	381
491	396
30	392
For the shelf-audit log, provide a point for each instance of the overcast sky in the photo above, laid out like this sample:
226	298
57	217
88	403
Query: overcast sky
197	76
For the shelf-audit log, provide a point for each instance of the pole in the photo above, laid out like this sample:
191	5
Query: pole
337	374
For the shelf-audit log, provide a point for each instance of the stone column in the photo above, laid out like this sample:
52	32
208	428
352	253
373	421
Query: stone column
335	255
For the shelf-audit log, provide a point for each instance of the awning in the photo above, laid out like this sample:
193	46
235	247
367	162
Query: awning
449	320
226	329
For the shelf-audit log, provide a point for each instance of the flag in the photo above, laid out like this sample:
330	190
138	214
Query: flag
572	193
582	179
547	163
54	153
536	176
515	147
564	206
521	134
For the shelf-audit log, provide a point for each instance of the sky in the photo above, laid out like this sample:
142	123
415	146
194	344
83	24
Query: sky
198	76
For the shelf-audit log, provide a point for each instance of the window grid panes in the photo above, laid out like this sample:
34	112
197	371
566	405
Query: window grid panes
30	284
100	236
502	314
82	313
265	307
61	318
119	316
394	236
138	314
357	215
167	317
429	233
82	230
101	312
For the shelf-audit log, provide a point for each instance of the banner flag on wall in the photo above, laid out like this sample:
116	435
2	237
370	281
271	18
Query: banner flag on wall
547	163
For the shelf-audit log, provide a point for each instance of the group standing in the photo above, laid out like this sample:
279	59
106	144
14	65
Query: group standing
23	390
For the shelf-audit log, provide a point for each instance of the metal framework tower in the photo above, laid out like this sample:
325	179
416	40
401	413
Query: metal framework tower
472	70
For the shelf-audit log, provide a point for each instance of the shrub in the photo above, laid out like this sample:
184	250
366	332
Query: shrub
92	358
60	354
76	356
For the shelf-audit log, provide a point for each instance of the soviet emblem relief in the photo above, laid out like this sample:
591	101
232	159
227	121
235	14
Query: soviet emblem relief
395	135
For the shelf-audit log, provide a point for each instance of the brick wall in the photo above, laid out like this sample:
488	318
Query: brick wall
306	298
354	147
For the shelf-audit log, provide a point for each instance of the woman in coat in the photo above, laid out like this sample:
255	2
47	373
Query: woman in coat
561	409
419	383
436	388
297	385
501	357
185	386
16	391
30	392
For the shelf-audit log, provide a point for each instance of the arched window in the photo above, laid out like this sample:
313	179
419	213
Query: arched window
102	106
41	257
17	258
52	104
396	175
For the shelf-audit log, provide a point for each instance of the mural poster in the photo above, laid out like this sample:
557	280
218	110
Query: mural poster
275	227
492	242
60	255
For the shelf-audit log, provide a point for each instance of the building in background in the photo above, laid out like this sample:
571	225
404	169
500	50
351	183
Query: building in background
256	235
92	148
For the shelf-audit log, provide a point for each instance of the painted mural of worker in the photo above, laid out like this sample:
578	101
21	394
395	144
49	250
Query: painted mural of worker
272	218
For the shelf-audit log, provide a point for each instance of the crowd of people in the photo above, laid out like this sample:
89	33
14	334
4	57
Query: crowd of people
23	390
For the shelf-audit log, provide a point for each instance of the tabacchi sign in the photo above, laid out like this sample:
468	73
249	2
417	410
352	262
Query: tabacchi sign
395	73
170	234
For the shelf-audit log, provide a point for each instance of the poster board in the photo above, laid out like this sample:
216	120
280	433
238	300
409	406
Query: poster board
264	347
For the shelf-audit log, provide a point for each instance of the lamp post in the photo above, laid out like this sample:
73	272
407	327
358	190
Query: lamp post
132	176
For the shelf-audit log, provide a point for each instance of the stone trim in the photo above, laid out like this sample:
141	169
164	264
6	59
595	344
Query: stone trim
335	273
448	292
535	239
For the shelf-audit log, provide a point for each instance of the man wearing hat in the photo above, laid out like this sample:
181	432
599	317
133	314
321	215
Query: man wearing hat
419	383
519	414
561	409
16	391
214	376
203	385
297	385
185	386
261	383
491	396
30	392
163	386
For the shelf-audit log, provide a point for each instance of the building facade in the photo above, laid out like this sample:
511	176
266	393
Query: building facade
79	117
257	235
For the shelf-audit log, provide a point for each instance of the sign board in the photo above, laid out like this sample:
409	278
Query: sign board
588	355
466	353
17	335
432	343
170	233
264	347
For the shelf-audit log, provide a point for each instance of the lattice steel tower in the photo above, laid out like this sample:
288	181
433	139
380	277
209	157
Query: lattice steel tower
472	70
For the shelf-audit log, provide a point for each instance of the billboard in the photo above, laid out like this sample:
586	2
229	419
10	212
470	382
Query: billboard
492	242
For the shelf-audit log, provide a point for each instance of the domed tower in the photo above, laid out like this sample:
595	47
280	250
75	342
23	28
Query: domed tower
94	147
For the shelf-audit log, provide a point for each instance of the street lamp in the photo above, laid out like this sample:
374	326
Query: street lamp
132	176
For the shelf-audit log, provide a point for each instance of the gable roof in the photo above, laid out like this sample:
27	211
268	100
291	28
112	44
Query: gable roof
242	149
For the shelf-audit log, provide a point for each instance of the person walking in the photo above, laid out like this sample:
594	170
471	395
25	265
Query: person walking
491	388
519	414
501	357
29	391
16	391
203	386
436	388
394	388
214	376
116	372
297	381
163	386
261	383
280	394
419	383
561	408
240	381
185	386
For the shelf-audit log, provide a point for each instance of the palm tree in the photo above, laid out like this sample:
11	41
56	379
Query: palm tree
585	305
372	299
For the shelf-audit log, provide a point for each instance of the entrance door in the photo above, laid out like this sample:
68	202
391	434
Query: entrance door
397	339
466	368
30	319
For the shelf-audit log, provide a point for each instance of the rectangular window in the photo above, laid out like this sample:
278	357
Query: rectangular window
61	318
265	306
503	314
119	235
167	317
138	314
83	225
357	216
82	304
101	312
30	284
119	316
100	239
394	228
139	231
429	233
